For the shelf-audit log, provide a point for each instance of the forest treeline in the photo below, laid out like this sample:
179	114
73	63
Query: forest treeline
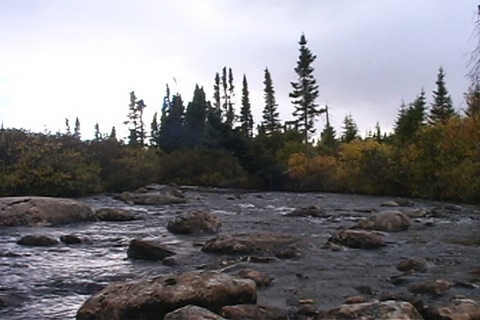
433	151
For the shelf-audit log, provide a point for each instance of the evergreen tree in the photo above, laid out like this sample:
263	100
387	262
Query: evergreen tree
441	109
195	118
135	120
171	131
113	134
246	118
305	91
350	129
472	98
271	121
76	129
67	127
328	142
230	116
216	92
410	119
224	97
155	131
97	135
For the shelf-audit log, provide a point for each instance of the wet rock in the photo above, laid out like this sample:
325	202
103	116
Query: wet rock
154	195
365	210
389	204
356	299
389	221
253	311
417	264
36	240
311	211
357	239
433	287
155	297
148	250
262	279
192	312
113	214
404	202
248	243
196	222
386	310
307	309
42	211
415	213
462	308
71	239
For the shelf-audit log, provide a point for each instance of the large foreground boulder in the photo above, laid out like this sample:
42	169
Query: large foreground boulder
153	298
277	244
385	310
388	221
195	222
42	211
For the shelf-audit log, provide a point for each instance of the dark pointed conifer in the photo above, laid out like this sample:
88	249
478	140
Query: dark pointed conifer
195	117
271	117
442	108
246	118
305	91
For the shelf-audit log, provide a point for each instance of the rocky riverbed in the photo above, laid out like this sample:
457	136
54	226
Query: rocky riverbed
432	258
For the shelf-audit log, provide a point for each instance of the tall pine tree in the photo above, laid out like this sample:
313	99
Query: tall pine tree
246	118
350	129
305	91
271	120
442	108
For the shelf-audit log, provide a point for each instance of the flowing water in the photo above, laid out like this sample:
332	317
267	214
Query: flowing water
53	282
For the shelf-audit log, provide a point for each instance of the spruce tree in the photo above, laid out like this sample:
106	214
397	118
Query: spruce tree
230	116
113	134
328	141
350	129
135	120
76	129
97	135
195	117
305	91
216	93
441	109
155	131
171	131
410	119
271	121
246	118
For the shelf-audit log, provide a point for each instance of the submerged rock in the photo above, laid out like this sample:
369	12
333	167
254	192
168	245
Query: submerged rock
113	214
434	287
71	239
42	211
154	195
195	222
153	298
148	250
262	279
37	241
417	264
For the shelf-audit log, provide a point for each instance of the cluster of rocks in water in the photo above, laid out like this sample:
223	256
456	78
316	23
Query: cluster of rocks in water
203	294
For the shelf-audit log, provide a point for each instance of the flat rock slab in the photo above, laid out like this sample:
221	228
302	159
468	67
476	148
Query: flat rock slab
271	243
42	211
154	298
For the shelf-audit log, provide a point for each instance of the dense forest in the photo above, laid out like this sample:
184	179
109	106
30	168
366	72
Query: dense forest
433	151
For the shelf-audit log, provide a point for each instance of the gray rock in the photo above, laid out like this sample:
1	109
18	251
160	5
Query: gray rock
195	222
42	211
113	214
155	297
417	264
311	211
71	239
36	240
386	310
357	239
150	198
253	311
389	221
148	250
270	243
192	312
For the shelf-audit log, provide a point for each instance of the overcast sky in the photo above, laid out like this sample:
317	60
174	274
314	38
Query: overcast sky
81	58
